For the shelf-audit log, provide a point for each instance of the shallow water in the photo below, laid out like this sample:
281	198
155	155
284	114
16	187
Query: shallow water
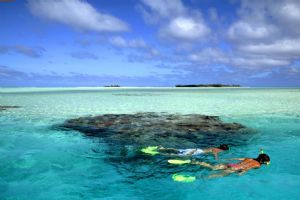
40	162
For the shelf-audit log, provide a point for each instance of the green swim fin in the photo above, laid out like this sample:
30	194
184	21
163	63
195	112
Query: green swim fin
178	162
183	178
152	150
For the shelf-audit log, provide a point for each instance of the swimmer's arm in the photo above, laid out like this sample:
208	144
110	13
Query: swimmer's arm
192	152
245	170
216	155
213	151
208	150
163	148
236	159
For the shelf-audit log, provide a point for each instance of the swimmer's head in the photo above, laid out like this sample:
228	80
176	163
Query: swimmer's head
224	147
263	159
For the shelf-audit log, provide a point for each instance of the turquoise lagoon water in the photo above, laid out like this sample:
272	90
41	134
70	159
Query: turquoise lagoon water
40	162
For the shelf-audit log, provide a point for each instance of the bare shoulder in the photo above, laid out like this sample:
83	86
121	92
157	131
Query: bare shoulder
208	150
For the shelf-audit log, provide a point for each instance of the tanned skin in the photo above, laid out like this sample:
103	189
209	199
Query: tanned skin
241	167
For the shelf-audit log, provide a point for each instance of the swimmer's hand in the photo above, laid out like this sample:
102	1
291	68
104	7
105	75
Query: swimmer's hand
242	172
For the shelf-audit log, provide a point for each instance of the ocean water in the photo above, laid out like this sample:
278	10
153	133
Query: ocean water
38	161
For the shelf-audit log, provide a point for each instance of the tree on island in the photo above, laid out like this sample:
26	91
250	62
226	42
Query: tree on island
111	86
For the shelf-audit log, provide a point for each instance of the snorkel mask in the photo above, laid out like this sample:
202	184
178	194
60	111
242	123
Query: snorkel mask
261	151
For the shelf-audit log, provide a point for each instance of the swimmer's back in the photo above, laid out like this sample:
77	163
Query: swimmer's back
246	164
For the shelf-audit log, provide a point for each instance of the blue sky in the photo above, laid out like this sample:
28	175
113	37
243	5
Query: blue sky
149	42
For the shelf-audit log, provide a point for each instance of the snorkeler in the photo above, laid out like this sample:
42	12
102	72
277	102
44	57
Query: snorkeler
243	166
193	152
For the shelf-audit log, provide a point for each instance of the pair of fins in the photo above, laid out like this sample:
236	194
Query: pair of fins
153	150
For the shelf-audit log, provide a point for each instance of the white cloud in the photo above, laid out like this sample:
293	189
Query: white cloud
185	28
290	11
287	15
77	14
209	55
267	20
242	30
285	47
266	34
177	22
257	63
165	8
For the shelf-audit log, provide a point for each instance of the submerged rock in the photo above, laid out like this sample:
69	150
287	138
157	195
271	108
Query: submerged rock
2	108
171	130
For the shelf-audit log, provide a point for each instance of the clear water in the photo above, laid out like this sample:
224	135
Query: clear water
39	162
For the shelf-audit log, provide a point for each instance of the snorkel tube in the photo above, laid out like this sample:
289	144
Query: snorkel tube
261	151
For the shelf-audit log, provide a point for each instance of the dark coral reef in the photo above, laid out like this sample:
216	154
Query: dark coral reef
172	130
2	108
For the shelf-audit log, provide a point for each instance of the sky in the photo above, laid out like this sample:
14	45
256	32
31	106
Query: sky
51	43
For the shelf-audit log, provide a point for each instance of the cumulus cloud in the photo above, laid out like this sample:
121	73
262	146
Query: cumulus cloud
287	15
290	11
154	10
257	63
165	8
185	28
265	35
285	47
211	57
78	14
176	21
267	20
243	30
32	52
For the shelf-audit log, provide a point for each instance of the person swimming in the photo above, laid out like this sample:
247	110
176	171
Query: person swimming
242	167
193	152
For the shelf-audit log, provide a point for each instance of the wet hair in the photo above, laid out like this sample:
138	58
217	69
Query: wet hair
224	147
263	158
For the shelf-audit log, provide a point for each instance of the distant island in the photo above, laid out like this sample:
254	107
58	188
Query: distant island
207	85
112	86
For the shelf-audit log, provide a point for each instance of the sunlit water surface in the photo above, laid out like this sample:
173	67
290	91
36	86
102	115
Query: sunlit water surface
40	162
